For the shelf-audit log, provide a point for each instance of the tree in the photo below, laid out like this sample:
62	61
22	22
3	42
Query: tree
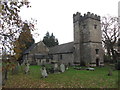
119	45
110	33
11	23
22	43
50	40
11	26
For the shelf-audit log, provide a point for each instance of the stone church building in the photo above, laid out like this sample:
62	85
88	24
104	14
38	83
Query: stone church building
86	47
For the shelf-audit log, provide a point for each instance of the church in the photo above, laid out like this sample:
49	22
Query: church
86	47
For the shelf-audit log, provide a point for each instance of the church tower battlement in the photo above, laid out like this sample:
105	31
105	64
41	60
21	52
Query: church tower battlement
87	39
79	17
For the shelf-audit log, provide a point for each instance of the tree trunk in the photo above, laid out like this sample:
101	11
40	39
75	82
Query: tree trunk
113	55
6	74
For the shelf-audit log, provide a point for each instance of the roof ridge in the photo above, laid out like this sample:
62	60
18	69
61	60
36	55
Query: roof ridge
62	44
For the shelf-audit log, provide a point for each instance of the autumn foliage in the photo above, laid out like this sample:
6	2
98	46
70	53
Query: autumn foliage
24	41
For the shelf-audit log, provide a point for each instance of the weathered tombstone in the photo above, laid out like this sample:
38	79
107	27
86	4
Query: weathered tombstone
27	68
44	72
38	62
55	67
62	68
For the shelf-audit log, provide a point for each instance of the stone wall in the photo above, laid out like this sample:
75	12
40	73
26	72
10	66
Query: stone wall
87	38
90	55
66	58
39	48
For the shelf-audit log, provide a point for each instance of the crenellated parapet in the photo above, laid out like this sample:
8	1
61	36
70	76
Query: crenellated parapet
79	17
76	17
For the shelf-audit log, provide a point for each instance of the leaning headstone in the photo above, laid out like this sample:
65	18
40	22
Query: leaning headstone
44	72
62	68
27	68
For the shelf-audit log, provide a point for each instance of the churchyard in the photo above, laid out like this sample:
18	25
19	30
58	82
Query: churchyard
71	78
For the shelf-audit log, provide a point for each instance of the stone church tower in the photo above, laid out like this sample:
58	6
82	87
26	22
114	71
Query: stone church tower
87	39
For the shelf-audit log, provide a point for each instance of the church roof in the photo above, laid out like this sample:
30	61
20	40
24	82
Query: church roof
63	48
59	49
37	47
30	48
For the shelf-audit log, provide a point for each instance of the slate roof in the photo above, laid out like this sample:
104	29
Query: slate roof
59	49
63	48
30	48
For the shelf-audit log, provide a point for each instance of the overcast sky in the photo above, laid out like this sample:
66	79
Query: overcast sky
57	15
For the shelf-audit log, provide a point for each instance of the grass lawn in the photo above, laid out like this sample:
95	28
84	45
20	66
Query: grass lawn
69	79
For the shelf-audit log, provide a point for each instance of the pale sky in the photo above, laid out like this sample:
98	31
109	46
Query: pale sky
57	15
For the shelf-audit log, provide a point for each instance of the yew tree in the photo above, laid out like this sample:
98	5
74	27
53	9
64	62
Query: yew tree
24	41
50	40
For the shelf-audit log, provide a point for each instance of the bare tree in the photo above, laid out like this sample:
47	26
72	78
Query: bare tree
110	33
11	26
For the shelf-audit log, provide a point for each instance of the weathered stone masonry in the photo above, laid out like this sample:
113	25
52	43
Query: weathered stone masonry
87	39
86	47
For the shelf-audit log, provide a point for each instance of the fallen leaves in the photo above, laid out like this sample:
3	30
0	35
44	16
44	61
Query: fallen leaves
69	79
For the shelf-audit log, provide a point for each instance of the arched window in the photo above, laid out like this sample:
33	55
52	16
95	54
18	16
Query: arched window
97	50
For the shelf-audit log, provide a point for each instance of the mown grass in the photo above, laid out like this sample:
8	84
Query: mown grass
69	79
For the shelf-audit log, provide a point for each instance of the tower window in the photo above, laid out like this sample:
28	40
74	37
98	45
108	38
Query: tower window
61	57
95	26
97	50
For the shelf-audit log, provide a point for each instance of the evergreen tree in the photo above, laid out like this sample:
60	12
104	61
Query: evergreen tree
50	40
24	41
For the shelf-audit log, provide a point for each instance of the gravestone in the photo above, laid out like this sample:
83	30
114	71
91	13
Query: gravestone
27	68
44	72
62	68
55	67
